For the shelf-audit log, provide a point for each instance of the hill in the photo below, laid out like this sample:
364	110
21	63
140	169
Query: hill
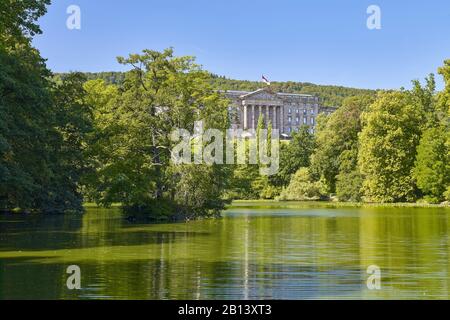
329	95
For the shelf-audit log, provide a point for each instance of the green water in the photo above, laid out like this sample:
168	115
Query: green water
274	252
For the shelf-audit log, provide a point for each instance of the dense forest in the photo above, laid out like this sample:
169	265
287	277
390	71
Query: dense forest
43	125
106	138
330	95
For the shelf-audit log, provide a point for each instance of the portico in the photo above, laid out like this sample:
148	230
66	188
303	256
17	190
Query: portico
284	111
270	112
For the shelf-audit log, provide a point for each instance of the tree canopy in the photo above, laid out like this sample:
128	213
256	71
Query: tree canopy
42	126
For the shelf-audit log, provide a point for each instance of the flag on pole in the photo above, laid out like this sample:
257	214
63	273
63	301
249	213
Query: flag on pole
264	79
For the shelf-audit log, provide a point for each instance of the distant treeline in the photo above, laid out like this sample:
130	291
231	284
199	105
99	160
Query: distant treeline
329	95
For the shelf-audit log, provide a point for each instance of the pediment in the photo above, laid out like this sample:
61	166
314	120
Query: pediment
261	94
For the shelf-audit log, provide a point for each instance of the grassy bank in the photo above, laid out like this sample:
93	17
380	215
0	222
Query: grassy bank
329	204
88	205
300	204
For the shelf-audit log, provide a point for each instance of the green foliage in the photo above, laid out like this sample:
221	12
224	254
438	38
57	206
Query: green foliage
447	194
432	167
349	180
294	155
348	186
197	190
133	125
330	95
25	124
18	22
74	124
245	183
388	144
106	136
269	191
115	78
443	105
302	188
43	127
99	185
335	135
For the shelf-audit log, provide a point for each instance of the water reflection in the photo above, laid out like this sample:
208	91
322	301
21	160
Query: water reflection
254	252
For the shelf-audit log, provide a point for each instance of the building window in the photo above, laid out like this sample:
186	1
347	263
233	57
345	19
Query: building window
297	120
290	110
312	121
289	119
305	121
298	111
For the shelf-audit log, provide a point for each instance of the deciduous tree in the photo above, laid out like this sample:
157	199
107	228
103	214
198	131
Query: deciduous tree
388	144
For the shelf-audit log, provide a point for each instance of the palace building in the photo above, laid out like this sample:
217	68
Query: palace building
286	111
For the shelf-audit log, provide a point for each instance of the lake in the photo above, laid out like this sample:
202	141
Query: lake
256	251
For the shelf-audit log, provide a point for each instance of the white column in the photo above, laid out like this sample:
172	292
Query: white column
274	110
259	115
245	118
253	117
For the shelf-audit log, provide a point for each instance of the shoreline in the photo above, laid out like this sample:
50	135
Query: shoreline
336	204
284	204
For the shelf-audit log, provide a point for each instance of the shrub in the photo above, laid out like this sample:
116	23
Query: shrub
447	194
301	188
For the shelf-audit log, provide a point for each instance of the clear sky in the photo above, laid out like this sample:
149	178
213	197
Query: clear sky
318	41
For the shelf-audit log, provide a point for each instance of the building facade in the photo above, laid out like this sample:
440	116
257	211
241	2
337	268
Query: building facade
287	112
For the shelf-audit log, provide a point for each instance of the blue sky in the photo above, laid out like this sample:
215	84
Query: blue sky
318	41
